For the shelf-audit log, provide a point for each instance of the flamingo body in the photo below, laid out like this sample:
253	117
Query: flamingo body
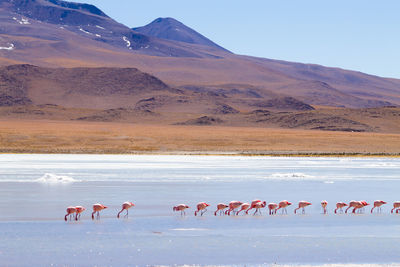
96	209
181	208
396	206
233	205
220	208
126	206
258	206
202	208
339	206
243	207
324	204
272	208
302	205
70	212
79	210
378	204
256	203
283	205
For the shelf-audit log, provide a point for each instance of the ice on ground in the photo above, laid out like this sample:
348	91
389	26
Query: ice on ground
82	30
126	40
22	21
97	26
9	48
51	178
291	176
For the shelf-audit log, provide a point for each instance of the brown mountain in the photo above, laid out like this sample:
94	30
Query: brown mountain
63	34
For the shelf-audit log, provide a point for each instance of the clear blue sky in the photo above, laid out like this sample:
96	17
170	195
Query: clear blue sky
361	35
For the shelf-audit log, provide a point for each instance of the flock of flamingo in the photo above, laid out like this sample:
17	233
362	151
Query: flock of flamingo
236	207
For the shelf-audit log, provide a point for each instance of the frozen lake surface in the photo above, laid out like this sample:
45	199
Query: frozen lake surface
36	189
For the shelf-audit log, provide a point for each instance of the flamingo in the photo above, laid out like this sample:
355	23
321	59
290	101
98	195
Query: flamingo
359	205
324	203
378	204
220	208
233	205
126	206
258	206
339	206
96	209
79	210
243	207
181	208
302	205
272	208
254	203
352	204
201	206
70	211
282	205
396	206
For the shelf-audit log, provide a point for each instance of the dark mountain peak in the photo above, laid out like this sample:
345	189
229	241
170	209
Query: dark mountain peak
167	20
172	29
25	5
78	6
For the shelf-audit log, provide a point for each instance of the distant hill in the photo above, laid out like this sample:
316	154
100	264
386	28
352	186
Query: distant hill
27	18
171	29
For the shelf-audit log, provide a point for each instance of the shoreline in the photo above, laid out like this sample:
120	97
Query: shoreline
60	137
207	153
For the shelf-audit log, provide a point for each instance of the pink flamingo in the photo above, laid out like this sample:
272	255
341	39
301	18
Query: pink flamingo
302	205
352	204
181	208
79	210
255	203
324	204
233	205
126	206
258	206
378	204
272	208
70	212
96	209
243	207
220	208
283	205
201	206
339	206
359	205
396	206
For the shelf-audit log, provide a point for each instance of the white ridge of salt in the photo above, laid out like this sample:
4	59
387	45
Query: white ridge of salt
9	48
97	26
50	178
128	43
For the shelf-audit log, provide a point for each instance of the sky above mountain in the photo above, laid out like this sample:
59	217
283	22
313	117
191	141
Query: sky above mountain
360	34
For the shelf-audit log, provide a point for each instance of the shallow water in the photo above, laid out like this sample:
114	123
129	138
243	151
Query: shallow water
36	189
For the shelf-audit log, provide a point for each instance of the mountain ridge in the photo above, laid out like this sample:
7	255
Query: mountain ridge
172	29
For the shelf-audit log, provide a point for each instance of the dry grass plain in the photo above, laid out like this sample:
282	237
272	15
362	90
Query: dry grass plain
39	136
